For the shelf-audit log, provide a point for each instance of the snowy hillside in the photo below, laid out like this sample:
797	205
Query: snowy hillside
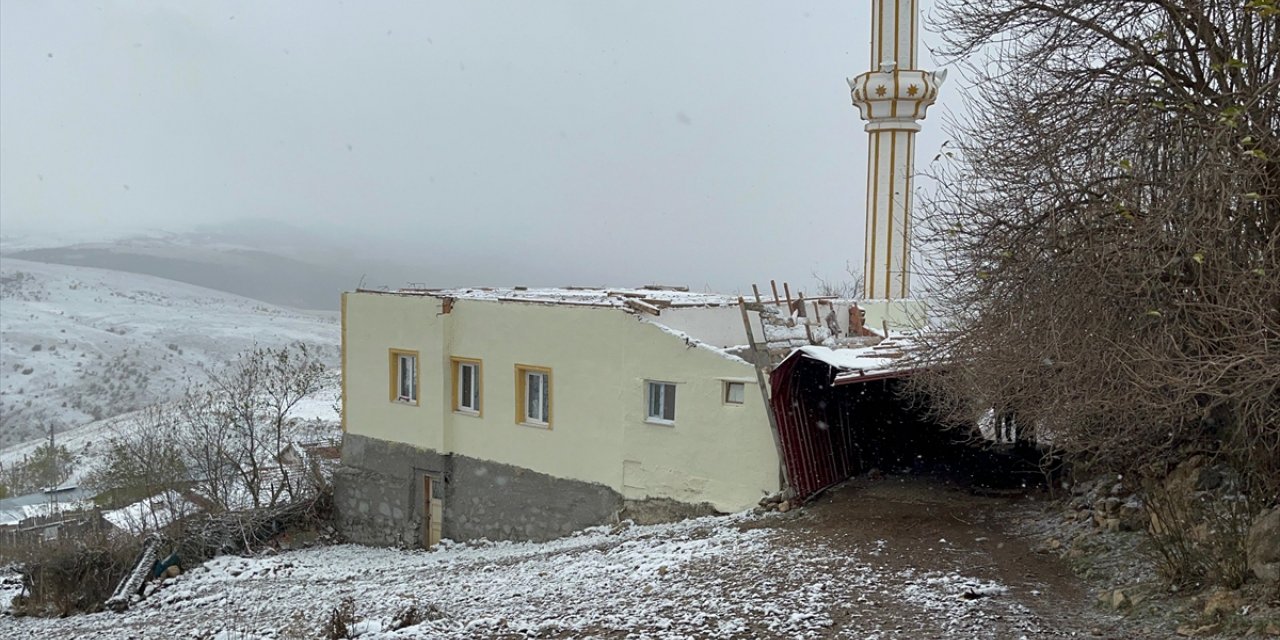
80	344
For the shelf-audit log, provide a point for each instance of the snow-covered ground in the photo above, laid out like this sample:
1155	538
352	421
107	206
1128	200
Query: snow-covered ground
79	345
741	576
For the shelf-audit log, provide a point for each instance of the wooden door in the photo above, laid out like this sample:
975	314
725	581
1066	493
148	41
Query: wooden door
432	512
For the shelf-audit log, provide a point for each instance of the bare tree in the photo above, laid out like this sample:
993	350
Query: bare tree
224	438
1108	232
144	462
241	422
846	287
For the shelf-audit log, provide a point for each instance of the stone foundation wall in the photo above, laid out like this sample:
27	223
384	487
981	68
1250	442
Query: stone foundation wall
378	493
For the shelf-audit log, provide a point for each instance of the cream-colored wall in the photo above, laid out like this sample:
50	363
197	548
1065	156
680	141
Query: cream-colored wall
901	315
600	359
376	323
580	348
719	326
718	453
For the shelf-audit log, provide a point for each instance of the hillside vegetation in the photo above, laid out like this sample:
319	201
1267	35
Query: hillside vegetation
79	344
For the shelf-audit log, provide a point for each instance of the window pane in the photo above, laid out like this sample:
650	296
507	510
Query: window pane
735	393
474	396
405	376
545	416
464	386
669	402
533	384
655	400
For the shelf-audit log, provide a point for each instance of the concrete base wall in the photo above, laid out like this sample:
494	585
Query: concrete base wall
659	510
378	494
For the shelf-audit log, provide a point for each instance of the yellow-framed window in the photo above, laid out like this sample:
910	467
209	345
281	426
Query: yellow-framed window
404	380
533	396
468	385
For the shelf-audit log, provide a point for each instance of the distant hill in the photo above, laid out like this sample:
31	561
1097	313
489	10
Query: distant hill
304	268
79	344
247	272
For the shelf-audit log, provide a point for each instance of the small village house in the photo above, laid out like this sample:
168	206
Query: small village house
527	414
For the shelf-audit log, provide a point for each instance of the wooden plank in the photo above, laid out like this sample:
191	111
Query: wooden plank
129	585
641	306
808	329
763	382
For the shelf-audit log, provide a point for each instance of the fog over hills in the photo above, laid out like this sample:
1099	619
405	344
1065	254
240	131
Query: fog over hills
272	262
97	325
78	344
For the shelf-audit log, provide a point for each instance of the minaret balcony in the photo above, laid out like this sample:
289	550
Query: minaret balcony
893	98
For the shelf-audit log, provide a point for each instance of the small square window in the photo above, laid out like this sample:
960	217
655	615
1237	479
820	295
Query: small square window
404	376
661	402
735	392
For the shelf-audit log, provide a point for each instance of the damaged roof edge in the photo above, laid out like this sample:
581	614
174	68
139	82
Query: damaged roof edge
864	364
691	341
648	300
616	300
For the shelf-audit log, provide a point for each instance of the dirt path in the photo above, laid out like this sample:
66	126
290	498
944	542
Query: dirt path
911	524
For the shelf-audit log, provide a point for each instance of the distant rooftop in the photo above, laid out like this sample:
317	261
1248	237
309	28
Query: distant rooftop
14	510
655	296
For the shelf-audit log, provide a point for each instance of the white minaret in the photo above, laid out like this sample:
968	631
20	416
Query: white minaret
892	98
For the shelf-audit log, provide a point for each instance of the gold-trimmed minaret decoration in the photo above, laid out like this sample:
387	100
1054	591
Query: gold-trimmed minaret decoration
892	99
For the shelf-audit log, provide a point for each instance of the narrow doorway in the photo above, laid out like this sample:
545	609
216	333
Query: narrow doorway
432	511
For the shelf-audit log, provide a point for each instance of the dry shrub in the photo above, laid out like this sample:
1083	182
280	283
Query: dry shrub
205	535
408	616
341	621
1198	529
414	614
69	576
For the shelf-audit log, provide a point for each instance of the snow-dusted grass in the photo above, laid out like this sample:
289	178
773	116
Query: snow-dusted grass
737	576
81	344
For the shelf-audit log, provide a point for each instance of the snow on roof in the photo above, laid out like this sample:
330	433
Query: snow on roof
647	303
656	296
16	514
152	513
877	361
60	494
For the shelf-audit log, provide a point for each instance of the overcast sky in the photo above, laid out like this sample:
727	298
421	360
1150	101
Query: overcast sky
706	143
